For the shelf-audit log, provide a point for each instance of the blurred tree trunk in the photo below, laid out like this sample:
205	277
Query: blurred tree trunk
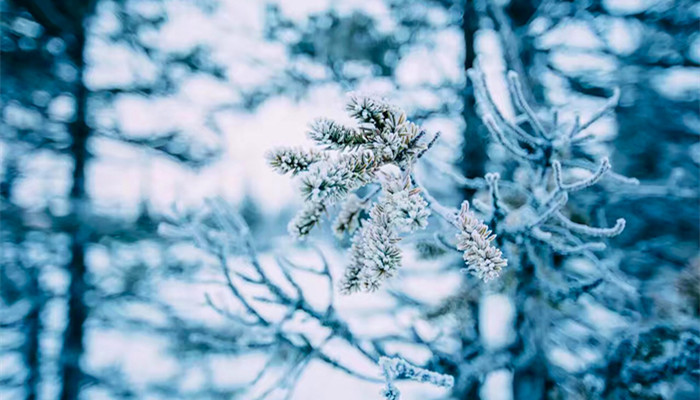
67	21
530	381
530	378
513	23
32	349
73	346
473	160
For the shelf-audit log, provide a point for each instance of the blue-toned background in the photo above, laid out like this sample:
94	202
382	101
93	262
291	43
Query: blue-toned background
118	118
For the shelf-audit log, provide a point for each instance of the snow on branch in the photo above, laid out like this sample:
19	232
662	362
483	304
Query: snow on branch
483	259
222	233
334	135
374	253
584	183
294	160
534	142
381	152
396	368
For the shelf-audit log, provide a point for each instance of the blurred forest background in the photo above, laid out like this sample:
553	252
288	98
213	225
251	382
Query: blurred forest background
118	117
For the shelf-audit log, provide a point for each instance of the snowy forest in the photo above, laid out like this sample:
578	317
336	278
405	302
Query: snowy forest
350	199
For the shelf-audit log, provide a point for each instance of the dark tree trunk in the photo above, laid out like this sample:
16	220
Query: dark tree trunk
531	380
518	47
32	350
473	160
73	346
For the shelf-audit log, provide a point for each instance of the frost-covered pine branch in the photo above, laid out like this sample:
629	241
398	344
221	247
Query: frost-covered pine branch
396	368
305	220
544	148
483	259
382	150
375	255
336	136
294	160
348	219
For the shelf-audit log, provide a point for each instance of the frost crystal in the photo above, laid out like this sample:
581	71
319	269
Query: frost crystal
327	182
483	260
372	111
335	135
374	256
406	208
305	220
294	160
348	219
